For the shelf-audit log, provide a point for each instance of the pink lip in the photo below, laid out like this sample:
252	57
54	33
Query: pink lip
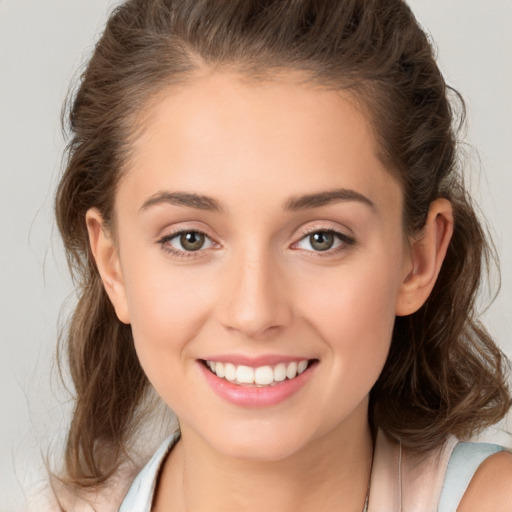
254	362
248	396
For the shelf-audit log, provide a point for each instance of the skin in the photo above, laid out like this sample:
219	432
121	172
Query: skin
258	287
490	489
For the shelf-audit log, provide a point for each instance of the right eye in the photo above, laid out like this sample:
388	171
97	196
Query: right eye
183	243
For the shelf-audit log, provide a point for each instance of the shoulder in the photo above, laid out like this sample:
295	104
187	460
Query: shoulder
491	486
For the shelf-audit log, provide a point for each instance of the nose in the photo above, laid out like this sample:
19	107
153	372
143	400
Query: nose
255	300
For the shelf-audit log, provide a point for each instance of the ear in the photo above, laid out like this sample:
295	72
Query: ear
107	261
427	253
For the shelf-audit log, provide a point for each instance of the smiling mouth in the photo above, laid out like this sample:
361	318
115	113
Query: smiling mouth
261	376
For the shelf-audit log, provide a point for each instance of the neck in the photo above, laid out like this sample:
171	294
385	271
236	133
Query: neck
331	473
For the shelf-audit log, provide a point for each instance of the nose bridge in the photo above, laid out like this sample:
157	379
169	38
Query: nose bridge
255	298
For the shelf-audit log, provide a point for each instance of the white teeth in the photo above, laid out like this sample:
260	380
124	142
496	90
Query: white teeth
230	372
245	375
280	372
302	366
264	375
219	369
291	370
261	376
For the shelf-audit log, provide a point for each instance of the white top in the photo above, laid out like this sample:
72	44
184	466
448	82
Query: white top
400	482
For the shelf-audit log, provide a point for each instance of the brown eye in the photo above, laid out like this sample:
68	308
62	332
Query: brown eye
327	241
186	243
321	240
192	240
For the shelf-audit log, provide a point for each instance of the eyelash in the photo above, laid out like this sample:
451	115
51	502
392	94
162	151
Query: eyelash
178	253
346	241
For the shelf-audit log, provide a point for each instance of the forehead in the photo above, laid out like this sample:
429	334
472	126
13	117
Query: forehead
221	133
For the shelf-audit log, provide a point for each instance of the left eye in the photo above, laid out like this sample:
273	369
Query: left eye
323	240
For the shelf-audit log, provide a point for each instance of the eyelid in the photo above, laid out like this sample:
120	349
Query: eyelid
345	239
176	232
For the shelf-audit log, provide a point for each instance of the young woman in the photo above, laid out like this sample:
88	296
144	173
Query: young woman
264	211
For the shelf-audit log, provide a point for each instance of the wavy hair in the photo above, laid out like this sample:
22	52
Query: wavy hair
444	374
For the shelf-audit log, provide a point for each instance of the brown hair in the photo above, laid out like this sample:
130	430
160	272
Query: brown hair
444	374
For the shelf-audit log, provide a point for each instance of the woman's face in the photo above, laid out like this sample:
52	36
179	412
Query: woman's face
257	228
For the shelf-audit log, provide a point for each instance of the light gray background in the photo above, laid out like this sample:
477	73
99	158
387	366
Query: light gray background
42	45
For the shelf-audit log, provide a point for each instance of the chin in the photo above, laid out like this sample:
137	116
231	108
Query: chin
260	441
261	451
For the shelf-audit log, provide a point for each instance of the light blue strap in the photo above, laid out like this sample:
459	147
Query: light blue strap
465	460
140	495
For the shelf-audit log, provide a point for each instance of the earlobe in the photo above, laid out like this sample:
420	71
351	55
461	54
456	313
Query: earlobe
427	253
107	261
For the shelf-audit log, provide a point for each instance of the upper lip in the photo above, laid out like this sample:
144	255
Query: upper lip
255	362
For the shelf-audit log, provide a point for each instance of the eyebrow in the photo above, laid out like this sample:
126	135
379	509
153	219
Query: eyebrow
189	199
305	202
325	198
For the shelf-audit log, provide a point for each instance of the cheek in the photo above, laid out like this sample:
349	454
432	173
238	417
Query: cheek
356	325
353	310
167	310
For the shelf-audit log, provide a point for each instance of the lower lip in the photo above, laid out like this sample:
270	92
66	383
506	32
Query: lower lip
248	396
